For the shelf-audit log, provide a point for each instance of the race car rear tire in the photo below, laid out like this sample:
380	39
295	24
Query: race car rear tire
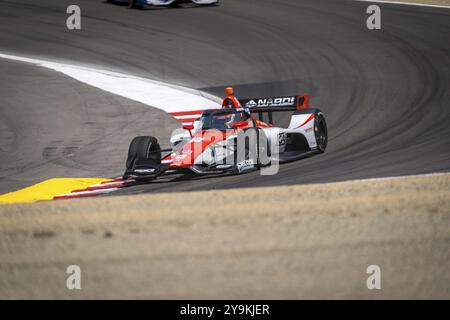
143	148
320	131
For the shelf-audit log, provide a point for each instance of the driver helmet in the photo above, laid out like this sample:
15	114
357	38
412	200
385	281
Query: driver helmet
230	100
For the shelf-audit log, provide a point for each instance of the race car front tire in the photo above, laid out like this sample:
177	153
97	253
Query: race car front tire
143	148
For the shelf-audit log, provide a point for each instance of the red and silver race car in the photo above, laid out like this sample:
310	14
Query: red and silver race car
232	139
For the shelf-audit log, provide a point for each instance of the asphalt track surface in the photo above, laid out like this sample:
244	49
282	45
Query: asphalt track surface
385	93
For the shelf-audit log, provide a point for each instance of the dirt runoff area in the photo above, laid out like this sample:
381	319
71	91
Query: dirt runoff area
307	241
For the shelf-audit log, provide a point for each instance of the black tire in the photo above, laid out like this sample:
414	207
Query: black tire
320	131
143	148
135	5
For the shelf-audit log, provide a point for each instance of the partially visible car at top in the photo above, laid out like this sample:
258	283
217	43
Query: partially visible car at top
167	3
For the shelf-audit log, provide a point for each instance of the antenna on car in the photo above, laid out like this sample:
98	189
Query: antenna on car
189	127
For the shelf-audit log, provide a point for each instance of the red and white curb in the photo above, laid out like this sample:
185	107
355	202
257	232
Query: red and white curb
97	189
184	103
187	117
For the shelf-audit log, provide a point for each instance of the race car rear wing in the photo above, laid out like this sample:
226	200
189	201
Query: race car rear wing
275	104
270	104
256	105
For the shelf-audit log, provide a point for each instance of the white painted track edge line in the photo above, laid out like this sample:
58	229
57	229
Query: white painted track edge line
434	174
165	96
407	3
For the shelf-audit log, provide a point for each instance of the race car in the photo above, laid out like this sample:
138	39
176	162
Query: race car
143	3
232	140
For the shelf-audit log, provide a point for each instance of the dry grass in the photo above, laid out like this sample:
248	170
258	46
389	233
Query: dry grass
310	241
